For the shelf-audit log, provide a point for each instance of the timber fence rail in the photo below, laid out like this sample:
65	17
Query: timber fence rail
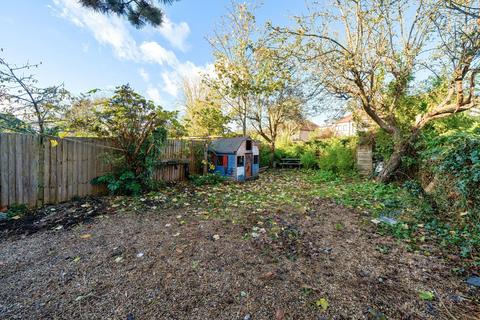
36	171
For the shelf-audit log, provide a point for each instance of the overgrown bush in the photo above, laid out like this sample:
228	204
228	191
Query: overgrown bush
451	161
265	155
308	160
137	128
338	156
207	179
383	145
121	182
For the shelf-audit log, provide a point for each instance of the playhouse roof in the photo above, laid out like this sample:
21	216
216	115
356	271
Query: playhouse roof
227	145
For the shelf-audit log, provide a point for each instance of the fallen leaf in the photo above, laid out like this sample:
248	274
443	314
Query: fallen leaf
216	237
280	314
268	275
86	236
322	304
118	259
427	295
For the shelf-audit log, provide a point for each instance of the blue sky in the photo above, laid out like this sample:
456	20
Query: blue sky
86	50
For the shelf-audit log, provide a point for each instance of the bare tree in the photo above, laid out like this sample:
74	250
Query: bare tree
383	45
467	7
278	98
232	45
22	97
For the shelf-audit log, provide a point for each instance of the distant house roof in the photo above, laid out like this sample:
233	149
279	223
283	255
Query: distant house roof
309	126
345	119
227	145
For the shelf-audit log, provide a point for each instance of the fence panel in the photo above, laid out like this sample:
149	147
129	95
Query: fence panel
34	171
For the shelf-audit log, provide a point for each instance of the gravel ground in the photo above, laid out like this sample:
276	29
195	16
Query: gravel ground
281	264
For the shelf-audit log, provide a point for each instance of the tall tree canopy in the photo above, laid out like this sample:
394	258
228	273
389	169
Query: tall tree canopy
384	48
204	115
232	46
258	80
138	12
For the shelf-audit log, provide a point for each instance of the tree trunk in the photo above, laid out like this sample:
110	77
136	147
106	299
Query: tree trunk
244	118
272	153
394	162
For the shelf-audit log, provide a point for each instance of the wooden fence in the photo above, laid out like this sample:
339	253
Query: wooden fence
33	172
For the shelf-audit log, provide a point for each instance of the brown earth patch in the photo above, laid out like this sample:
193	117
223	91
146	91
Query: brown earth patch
168	264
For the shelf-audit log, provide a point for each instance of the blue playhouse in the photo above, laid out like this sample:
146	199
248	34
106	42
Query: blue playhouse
236	158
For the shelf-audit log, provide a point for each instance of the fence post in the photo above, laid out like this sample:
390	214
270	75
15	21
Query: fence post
364	159
205	158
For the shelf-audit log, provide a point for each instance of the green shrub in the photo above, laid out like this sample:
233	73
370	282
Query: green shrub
308	160
16	210
452	160
207	179
338	157
265	155
383	147
121	182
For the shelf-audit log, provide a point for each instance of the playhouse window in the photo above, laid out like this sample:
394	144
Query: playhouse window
240	161
249	145
255	159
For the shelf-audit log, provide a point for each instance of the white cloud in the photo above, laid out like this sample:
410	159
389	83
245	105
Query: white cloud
154	94
112	31
107	30
175	33
171	83
144	74
153	52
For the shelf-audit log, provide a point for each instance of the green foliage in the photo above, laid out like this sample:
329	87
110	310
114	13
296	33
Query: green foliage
338	157
204	115
16	210
308	160
324	176
383	148
413	187
10	123
265	155
122	182
426	295
453	159
138	13
138	129
208	179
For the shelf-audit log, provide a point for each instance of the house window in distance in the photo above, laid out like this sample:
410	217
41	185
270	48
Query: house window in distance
255	159
240	161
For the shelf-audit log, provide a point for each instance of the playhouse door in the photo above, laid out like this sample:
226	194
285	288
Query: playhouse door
248	165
